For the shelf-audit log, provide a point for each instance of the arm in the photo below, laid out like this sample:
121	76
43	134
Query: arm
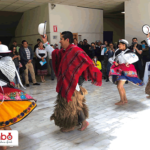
130	58
45	54
48	48
37	53
31	51
139	51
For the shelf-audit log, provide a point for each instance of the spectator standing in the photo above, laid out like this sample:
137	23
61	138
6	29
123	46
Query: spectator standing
16	58
49	51
104	60
37	45
41	54
75	41
80	44
145	54
97	63
98	50
137	49
109	53
26	55
85	46
92	50
15	45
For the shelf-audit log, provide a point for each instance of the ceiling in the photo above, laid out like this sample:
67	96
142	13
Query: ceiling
108	6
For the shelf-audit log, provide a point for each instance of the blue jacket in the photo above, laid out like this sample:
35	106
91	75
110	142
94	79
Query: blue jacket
23	55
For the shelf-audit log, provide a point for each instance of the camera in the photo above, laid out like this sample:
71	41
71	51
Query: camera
53	6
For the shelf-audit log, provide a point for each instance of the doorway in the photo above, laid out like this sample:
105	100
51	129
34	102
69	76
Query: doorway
108	36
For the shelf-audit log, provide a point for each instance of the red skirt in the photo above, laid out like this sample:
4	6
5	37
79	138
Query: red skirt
129	71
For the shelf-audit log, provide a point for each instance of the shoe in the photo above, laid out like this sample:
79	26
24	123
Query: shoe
36	84
107	80
126	82
52	79
27	85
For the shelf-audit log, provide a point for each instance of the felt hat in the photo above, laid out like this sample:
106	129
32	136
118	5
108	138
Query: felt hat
42	28
145	29
4	49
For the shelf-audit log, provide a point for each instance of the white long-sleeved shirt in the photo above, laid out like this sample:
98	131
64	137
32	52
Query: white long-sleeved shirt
49	49
148	41
123	57
43	51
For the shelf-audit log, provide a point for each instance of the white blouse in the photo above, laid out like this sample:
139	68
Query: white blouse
123	58
41	51
148	41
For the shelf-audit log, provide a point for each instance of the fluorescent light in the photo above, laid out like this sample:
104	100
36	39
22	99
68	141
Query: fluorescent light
123	12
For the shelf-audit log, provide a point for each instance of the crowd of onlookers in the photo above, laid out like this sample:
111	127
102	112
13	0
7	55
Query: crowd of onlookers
30	63
94	51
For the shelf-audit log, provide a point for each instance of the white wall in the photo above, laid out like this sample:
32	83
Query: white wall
27	28
116	25
137	13
84	21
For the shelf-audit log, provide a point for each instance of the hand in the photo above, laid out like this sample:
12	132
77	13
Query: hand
42	59
29	61
148	33
44	39
127	65
116	64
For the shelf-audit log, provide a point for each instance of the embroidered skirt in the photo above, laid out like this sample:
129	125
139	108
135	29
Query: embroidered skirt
122	72
15	107
66	113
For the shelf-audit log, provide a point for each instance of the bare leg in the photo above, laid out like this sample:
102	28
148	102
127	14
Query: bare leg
121	92
41	79
125	97
7	128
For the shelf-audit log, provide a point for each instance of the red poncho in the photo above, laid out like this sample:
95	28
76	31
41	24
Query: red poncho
68	66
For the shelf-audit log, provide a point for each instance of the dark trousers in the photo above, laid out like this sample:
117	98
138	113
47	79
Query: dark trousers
81	117
52	71
139	68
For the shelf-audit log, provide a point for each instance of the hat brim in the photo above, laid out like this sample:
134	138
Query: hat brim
44	32
144	29
9	51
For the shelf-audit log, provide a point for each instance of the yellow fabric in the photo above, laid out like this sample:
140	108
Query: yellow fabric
98	65
13	109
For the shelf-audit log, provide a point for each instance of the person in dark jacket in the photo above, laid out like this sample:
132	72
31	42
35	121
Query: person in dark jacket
26	55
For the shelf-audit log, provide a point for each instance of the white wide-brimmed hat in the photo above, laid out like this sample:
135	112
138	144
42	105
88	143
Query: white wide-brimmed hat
42	28
145	29
124	41
4	49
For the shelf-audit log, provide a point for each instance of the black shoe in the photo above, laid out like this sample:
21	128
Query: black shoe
52	79
27	85
36	84
107	80
126	82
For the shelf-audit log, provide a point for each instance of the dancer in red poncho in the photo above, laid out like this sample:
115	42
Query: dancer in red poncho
69	64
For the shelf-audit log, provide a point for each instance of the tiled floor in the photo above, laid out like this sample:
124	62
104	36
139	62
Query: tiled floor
111	127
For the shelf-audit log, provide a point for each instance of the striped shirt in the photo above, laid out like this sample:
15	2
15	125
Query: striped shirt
28	53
